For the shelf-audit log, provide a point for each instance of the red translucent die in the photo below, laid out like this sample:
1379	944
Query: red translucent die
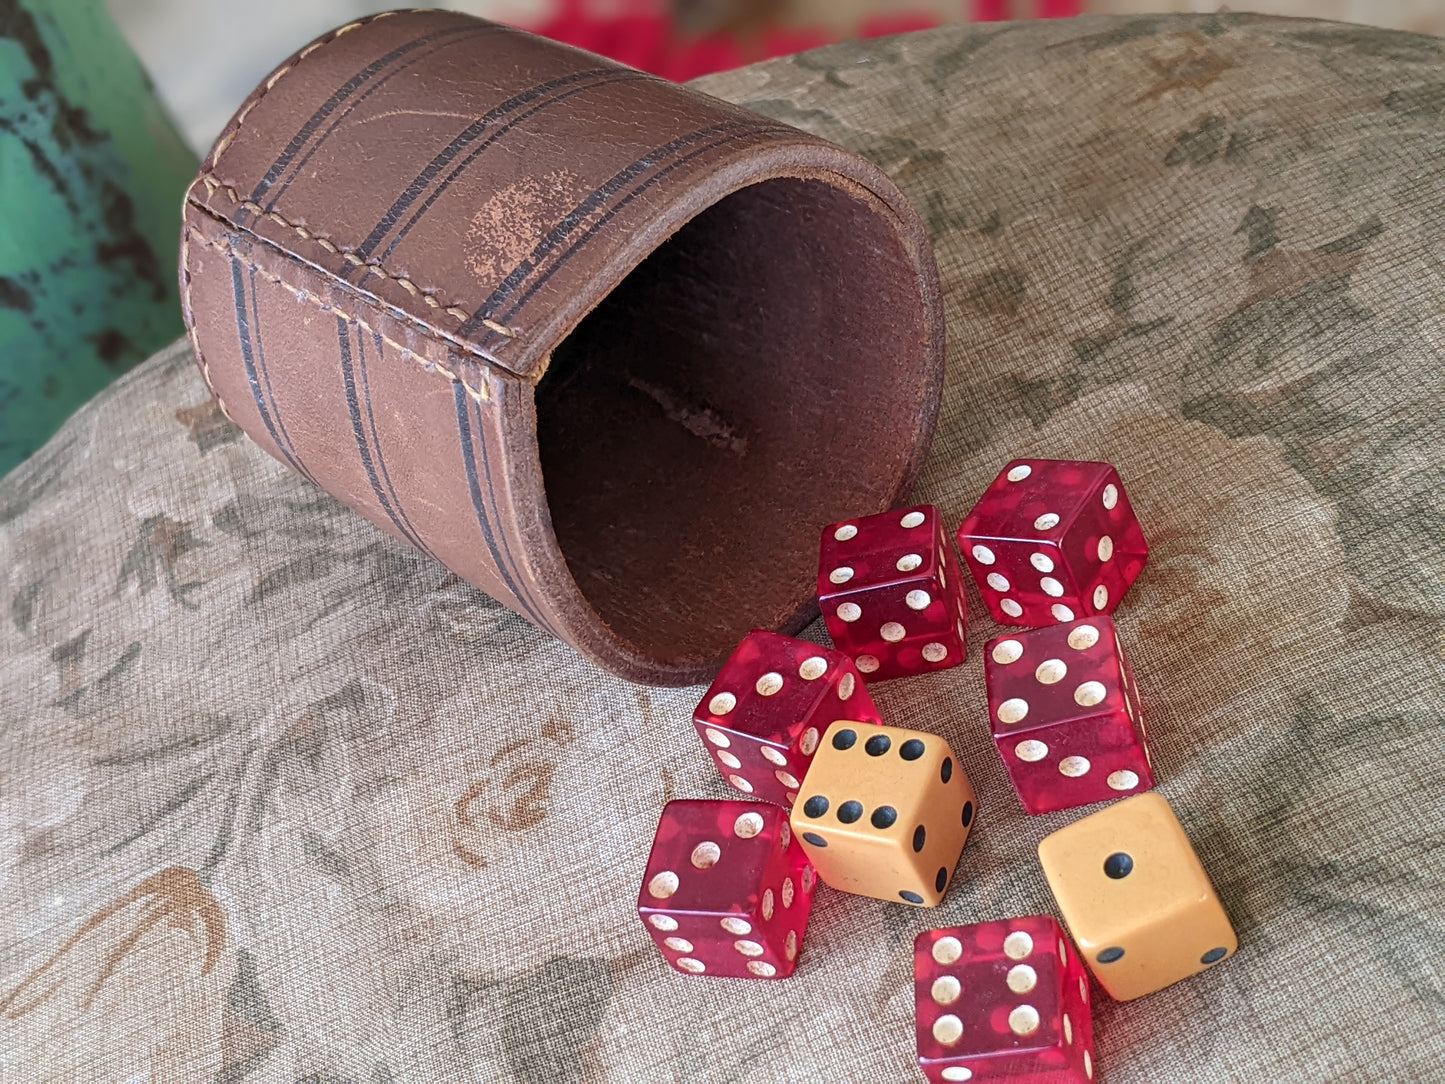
762	717
891	593
726	890
1002	1001
1065	715
1051	540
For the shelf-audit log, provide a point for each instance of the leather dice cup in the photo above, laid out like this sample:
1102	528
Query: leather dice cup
608	348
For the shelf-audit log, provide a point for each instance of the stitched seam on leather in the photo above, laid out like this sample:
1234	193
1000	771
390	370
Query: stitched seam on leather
480	393
226	140
191	324
213	185
400	315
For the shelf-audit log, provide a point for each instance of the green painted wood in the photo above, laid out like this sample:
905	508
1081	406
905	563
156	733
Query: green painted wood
91	177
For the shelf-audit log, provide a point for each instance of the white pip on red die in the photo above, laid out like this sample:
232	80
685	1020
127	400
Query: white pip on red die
726	890
1002	1001
762	717
1065	715
1051	540
891	593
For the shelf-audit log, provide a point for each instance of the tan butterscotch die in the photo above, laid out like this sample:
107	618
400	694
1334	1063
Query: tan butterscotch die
884	813
1136	898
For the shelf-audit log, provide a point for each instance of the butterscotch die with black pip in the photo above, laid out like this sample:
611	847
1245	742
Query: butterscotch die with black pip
885	813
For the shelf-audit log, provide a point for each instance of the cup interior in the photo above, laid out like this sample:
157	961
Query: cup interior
764	372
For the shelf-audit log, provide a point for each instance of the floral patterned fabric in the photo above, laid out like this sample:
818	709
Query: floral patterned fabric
281	799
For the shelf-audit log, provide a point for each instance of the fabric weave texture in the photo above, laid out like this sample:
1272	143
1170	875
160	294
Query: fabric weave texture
282	799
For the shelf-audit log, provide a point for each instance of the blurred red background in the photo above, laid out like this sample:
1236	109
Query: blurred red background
681	39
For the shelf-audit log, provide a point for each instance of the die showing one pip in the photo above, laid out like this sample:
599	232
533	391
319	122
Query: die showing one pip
1065	715
1135	897
1002	1001
1051	540
891	594
885	813
727	890
762	718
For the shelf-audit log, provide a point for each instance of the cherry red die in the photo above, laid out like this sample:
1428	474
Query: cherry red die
891	593
1051	540
1002	1001
1065	714
726	890
762	717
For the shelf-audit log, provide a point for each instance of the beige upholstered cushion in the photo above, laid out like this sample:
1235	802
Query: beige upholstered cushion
280	798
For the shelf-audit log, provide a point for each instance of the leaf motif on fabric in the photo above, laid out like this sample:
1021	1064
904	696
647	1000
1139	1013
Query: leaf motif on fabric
174	899
206	427
154	556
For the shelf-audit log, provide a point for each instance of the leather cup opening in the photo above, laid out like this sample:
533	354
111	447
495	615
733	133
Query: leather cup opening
763	373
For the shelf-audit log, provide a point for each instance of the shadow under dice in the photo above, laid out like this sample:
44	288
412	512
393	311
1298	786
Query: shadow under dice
1052	540
1065	715
763	716
1002	1001
891	594
885	813
1136	898
727	890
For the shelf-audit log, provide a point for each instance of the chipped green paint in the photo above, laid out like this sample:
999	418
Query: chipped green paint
91	174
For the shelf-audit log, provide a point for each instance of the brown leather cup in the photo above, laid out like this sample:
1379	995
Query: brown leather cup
611	350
